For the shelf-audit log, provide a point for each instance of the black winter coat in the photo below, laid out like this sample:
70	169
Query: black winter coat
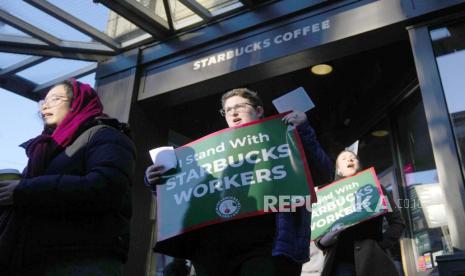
81	205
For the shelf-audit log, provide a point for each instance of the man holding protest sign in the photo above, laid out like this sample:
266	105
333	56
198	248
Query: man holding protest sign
358	249
267	244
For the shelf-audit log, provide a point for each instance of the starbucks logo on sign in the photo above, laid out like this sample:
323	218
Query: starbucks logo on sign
228	207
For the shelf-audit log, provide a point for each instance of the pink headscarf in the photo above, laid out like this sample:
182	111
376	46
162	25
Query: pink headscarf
85	106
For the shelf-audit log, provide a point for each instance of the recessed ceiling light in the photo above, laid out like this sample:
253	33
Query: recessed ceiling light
380	133
322	69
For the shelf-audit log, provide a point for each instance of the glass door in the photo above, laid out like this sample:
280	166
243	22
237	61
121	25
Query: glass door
449	49
423	206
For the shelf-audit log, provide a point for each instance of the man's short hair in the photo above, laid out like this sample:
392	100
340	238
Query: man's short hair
244	93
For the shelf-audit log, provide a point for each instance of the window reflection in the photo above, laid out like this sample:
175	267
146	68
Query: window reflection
449	48
427	219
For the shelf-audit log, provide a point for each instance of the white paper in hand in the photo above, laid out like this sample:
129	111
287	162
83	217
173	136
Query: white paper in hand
164	156
297	99
353	148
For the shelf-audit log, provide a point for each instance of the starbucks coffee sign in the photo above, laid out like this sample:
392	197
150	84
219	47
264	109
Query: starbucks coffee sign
256	46
231	57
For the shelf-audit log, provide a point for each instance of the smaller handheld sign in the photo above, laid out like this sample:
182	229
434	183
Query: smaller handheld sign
347	202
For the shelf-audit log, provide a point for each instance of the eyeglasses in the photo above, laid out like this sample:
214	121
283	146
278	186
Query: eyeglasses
52	101
240	107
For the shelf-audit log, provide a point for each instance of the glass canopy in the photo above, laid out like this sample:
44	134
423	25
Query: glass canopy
42	41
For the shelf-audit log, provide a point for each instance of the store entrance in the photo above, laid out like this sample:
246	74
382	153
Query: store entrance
364	100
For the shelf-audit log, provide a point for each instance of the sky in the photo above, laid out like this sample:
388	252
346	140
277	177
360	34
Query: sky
18	115
20	122
451	69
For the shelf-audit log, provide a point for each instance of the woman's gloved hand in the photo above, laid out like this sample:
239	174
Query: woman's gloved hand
330	238
295	118
153	174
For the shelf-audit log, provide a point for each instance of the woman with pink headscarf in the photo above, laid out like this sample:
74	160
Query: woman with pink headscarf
70	212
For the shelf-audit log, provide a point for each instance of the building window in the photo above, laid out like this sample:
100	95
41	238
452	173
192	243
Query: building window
424	203
449	48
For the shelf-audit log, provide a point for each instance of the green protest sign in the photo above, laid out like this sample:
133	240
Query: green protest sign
347	202
225	176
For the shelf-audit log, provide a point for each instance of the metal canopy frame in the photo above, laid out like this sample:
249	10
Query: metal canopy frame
166	4
42	45
197	8
65	49
29	29
249	3
140	16
24	64
42	89
75	22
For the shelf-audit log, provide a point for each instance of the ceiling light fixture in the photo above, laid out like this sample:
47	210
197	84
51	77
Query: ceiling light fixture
380	133
322	69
